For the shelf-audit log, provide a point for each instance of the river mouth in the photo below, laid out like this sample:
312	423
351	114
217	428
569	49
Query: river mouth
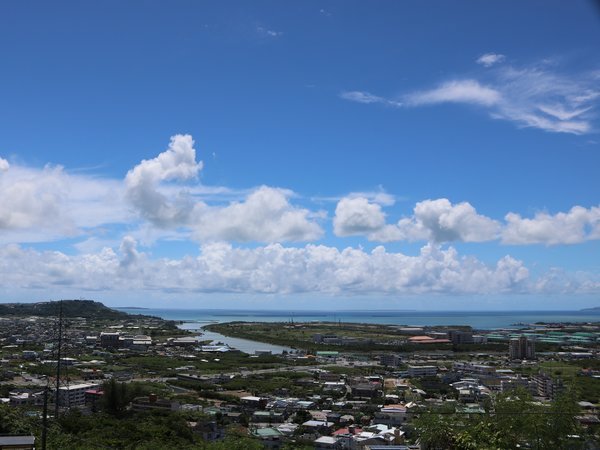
244	345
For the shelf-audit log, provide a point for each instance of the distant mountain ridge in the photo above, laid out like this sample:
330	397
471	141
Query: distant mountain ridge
595	308
89	309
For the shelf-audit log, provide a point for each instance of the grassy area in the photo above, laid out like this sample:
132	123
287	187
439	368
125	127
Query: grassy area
586	388
269	383
206	363
382	338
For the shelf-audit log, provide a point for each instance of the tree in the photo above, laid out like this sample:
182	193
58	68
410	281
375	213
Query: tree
13	421
115	397
561	421
436	431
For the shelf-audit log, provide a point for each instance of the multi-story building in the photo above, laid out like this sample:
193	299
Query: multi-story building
515	382
474	368
460	337
391	415
521	348
547	386
109	340
74	394
153	403
390	360
422	371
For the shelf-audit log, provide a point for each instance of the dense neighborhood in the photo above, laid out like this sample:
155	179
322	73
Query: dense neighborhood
362	387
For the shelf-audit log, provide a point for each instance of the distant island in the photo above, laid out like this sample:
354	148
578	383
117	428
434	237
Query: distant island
129	307
596	308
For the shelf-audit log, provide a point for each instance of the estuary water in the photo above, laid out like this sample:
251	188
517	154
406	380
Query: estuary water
243	345
483	320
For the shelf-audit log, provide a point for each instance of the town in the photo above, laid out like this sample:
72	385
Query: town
75	379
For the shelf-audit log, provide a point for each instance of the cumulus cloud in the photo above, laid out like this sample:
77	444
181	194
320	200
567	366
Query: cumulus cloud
577	225
489	59
128	249
433	220
273	268
266	215
50	203
33	199
357	216
160	198
178	162
535	96
441	221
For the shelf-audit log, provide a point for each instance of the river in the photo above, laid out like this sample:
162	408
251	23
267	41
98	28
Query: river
243	345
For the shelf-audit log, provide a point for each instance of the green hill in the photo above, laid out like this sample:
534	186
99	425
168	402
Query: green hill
71	308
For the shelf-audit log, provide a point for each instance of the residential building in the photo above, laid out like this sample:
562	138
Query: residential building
109	340
152	402
422	371
521	348
17	442
271	438
390	360
366	390
460	337
391	415
74	394
546	386
326	443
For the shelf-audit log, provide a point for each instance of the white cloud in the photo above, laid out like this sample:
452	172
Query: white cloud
265	32
576	226
357	216
536	96
269	269
458	91
31	199
441	221
380	196
266	215
128	249
4	165
560	113
539	98
489	59
41	205
367	98
433	220
49	203
178	162
160	198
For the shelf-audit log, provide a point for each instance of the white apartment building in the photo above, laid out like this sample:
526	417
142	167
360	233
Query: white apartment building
74	394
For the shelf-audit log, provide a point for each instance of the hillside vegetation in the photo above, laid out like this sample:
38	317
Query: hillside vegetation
71	308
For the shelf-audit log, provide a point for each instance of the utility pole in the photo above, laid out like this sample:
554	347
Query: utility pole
45	419
60	321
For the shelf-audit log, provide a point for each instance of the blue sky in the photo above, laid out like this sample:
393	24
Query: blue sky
301	155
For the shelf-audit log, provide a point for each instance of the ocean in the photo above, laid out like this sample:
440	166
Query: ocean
483	320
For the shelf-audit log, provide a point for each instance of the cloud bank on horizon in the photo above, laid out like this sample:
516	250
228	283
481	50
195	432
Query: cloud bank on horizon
243	237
